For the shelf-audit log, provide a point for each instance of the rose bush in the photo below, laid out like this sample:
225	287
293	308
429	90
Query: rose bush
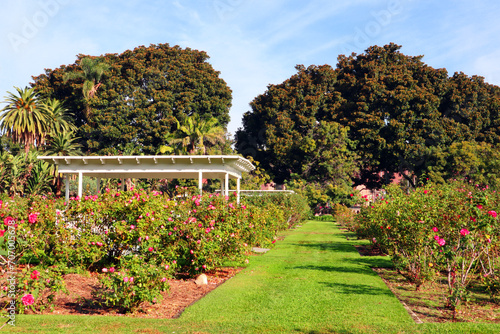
449	228
146	235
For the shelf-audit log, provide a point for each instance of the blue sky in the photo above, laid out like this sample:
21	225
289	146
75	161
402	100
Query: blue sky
253	43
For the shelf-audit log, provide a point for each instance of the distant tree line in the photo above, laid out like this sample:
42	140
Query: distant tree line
320	132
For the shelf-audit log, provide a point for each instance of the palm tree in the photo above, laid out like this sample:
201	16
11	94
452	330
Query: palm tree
195	132
93	70
23	120
40	179
59	120
61	144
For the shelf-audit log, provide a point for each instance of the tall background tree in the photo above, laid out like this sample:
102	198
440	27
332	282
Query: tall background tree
90	72
401	114
142	94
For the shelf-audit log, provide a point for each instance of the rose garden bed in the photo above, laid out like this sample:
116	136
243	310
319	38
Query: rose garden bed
183	292
428	304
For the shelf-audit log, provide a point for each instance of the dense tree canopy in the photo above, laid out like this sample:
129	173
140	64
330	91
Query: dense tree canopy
401	113
142	92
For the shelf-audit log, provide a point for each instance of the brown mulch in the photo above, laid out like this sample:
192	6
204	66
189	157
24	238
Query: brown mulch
182	293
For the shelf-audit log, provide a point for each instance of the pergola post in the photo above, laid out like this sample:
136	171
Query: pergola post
80	184
226	183
122	182
66	193
200	182
238	190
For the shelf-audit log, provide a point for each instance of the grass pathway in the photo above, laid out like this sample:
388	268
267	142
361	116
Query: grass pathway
313	281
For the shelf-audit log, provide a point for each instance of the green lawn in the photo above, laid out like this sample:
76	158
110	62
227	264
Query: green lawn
313	281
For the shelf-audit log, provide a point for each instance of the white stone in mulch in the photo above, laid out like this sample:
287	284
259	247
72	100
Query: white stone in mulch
260	250
201	280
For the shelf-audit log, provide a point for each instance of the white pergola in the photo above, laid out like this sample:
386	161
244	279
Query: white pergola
222	167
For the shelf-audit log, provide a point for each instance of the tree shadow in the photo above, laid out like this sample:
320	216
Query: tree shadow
358	289
371	261
344	247
340	269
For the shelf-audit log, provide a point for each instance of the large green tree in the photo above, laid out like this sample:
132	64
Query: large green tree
143	93
291	132
401	113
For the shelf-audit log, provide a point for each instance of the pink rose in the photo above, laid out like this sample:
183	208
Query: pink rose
112	270
35	274
2	232
32	218
435	229
8	221
150	249
28	299
464	232
125	279
104	270
492	213
441	242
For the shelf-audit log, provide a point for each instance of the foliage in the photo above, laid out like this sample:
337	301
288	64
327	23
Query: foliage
23	120
476	161
451	228
255	178
193	134
90	71
401	114
144	92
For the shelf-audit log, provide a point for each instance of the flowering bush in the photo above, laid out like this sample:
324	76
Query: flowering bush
34	290
451	228
145	236
128	288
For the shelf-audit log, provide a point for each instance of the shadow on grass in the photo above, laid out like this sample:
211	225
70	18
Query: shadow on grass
371	261
357	289
344	247
340	269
